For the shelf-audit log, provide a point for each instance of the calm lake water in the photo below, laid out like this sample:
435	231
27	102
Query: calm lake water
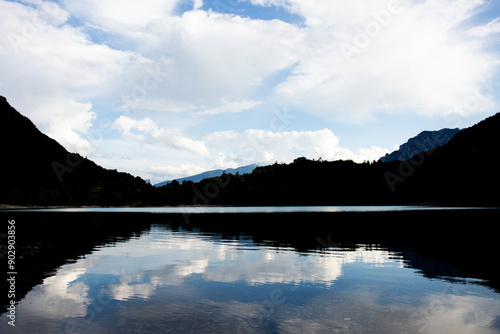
260	209
286	272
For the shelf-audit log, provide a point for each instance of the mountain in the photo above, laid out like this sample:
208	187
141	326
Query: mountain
424	141
464	171
213	173
37	170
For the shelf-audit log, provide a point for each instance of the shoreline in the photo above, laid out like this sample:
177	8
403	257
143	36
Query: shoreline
29	207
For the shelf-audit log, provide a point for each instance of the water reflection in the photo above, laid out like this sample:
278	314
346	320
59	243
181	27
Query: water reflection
173	281
164	258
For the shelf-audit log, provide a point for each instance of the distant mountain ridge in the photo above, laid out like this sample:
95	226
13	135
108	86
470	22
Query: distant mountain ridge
213	173
424	141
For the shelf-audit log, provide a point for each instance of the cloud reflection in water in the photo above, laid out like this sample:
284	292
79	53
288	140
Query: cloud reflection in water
164	278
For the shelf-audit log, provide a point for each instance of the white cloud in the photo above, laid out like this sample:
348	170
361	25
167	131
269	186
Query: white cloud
171	172
126	124
61	56
417	61
150	159
67	130
369	154
265	146
227	57
197	4
231	107
208	59
111	13
51	70
172	138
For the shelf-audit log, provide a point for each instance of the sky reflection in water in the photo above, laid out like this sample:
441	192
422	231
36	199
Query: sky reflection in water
178	282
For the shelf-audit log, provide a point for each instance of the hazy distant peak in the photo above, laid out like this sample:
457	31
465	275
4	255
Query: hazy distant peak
424	141
213	173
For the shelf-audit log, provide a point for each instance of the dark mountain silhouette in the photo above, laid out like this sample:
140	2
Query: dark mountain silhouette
424	141
462	172
36	170
212	173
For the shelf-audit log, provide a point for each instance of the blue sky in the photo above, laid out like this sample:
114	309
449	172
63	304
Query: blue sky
169	88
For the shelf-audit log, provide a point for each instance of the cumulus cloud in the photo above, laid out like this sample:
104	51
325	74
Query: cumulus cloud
50	70
387	58
265	146
218	57
156	152
206	62
67	131
149	131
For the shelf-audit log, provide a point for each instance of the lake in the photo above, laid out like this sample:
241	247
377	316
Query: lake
257	209
234	270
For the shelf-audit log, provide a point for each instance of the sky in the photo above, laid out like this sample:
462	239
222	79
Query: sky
164	89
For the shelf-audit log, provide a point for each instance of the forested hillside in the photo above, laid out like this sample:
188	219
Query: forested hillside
36	170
